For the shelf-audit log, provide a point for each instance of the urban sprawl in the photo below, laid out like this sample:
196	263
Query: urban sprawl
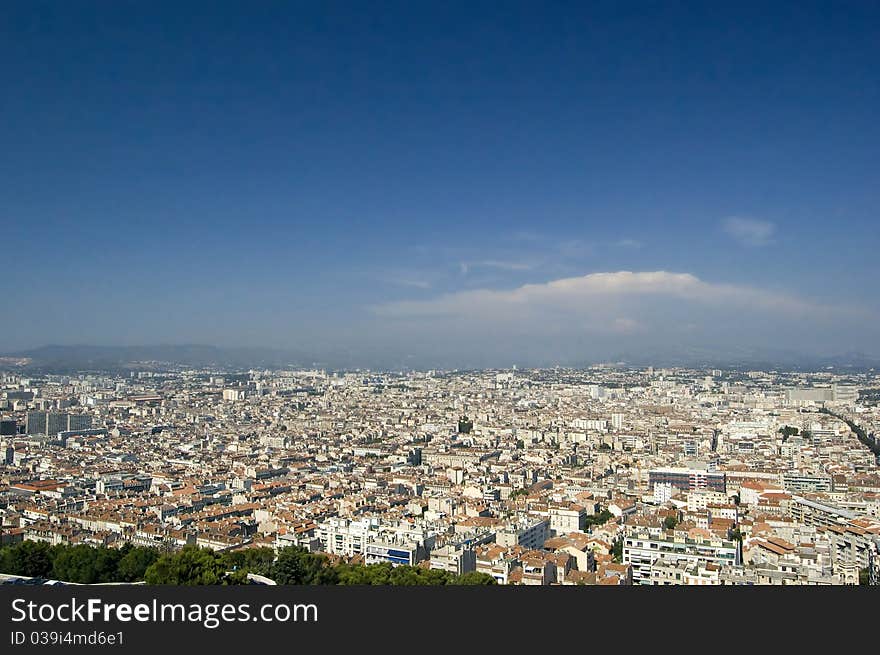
599	476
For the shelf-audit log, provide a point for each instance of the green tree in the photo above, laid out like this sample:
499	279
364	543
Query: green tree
191	566
106	563
379	573
617	550
437	577
134	564
670	522
252	560
864	576
599	519
371	574
406	576
352	574
29	558
297	566
76	564
474	578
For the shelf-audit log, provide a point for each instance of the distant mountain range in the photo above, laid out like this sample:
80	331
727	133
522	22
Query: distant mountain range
73	358
55	358
755	359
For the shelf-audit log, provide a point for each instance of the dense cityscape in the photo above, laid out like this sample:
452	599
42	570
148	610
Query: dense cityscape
356	322
607	475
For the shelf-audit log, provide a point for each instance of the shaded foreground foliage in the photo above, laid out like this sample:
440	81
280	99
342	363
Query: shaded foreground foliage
86	564
81	563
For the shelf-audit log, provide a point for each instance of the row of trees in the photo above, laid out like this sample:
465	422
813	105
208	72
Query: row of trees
298	566
862	436
81	563
293	566
195	566
201	566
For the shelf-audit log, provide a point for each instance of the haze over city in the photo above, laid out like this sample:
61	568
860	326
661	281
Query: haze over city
443	186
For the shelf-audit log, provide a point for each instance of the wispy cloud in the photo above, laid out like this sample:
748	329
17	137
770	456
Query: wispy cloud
749	231
628	243
418	284
412	280
466	267
572	247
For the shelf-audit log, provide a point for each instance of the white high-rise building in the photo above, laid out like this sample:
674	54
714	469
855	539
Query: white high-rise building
663	492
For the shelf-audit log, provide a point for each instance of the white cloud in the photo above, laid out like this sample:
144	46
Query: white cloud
600	314
597	293
749	231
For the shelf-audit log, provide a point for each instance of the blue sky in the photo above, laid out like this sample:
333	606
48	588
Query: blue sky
391	177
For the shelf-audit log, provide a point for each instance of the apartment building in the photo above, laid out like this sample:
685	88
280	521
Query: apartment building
455	559
530	534
642	549
373	541
567	518
689	479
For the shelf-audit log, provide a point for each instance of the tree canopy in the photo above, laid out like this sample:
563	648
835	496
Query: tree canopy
81	563
87	564
192	566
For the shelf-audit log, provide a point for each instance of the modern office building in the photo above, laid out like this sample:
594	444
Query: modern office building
35	423
77	422
19	395
833	394
55	423
51	423
689	479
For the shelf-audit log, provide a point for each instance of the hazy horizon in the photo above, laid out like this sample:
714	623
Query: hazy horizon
56	358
